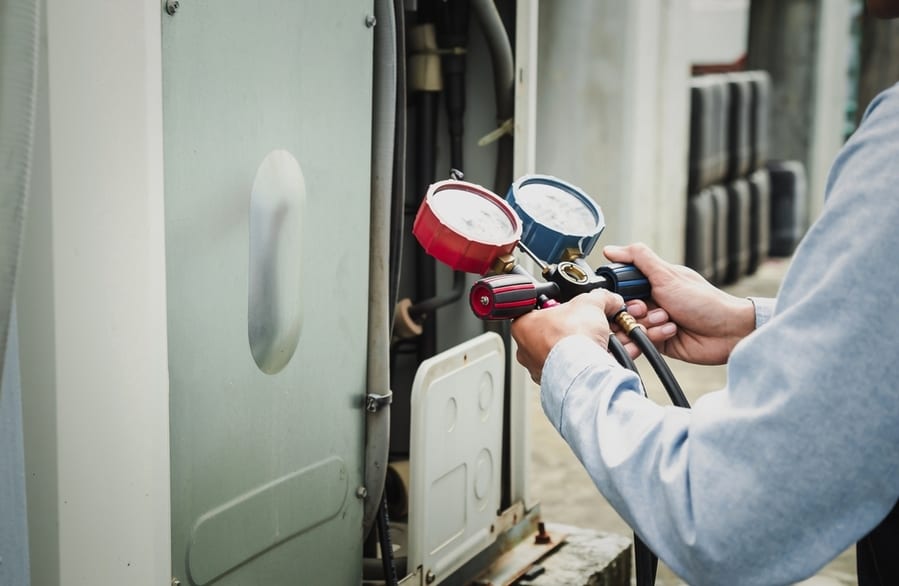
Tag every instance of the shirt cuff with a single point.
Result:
(566, 361)
(764, 308)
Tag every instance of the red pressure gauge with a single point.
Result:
(466, 226)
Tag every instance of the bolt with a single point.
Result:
(370, 21)
(176, 582)
(485, 301)
(172, 6)
(361, 492)
(542, 537)
(430, 577)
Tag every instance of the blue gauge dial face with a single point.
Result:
(472, 215)
(556, 208)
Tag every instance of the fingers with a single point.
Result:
(655, 317)
(661, 333)
(611, 303)
(535, 370)
(656, 322)
(637, 308)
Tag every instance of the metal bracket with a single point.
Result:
(374, 403)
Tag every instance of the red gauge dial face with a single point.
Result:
(466, 226)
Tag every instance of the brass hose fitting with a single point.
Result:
(626, 321)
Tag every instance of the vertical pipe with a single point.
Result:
(377, 428)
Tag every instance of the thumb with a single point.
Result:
(640, 255)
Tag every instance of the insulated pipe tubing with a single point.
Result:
(377, 412)
(19, 27)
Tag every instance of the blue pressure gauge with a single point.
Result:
(559, 221)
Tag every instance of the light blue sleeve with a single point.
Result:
(797, 458)
(764, 309)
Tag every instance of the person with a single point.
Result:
(768, 479)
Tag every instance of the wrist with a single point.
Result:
(743, 318)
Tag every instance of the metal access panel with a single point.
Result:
(267, 128)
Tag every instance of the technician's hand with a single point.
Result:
(538, 331)
(689, 318)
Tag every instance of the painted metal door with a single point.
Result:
(267, 124)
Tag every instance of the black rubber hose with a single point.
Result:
(397, 212)
(428, 306)
(452, 37)
(645, 561)
(373, 570)
(616, 348)
(426, 269)
(390, 577)
(675, 393)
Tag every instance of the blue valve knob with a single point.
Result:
(626, 280)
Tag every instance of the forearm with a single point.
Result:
(726, 490)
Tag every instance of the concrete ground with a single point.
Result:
(566, 493)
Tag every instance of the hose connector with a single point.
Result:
(626, 321)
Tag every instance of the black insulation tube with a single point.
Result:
(383, 521)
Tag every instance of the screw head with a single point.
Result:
(430, 576)
(485, 301)
(172, 6)
(361, 492)
(370, 21)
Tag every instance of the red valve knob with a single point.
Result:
(503, 296)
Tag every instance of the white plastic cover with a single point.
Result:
(455, 455)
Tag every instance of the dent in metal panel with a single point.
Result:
(277, 205)
(238, 531)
